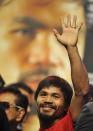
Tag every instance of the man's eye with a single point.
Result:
(21, 31)
(27, 31)
(43, 94)
(56, 96)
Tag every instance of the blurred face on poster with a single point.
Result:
(29, 50)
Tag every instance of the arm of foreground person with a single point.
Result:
(79, 75)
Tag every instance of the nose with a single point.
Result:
(48, 99)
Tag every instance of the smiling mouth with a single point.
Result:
(48, 107)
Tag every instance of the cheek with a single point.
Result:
(60, 104)
(38, 100)
(11, 114)
(59, 109)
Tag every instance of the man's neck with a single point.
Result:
(46, 123)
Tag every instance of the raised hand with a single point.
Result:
(70, 31)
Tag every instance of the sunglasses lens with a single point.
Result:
(4, 105)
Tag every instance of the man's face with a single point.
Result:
(32, 54)
(50, 103)
(29, 48)
(11, 111)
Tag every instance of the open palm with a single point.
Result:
(70, 32)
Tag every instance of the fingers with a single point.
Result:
(79, 26)
(68, 21)
(74, 22)
(56, 33)
(71, 21)
(63, 24)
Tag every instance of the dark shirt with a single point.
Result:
(85, 120)
(4, 124)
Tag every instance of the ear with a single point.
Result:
(20, 115)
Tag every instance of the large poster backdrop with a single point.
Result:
(28, 48)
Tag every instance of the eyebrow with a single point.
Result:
(15, 106)
(54, 93)
(30, 22)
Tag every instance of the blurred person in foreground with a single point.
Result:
(25, 90)
(4, 123)
(85, 120)
(31, 114)
(89, 96)
(15, 106)
(53, 96)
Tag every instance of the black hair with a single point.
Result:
(59, 83)
(21, 85)
(21, 100)
(4, 123)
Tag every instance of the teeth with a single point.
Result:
(47, 107)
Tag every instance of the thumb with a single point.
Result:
(56, 33)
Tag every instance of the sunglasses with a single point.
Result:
(6, 105)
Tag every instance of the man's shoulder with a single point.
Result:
(85, 120)
(88, 107)
(87, 112)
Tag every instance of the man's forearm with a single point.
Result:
(78, 71)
